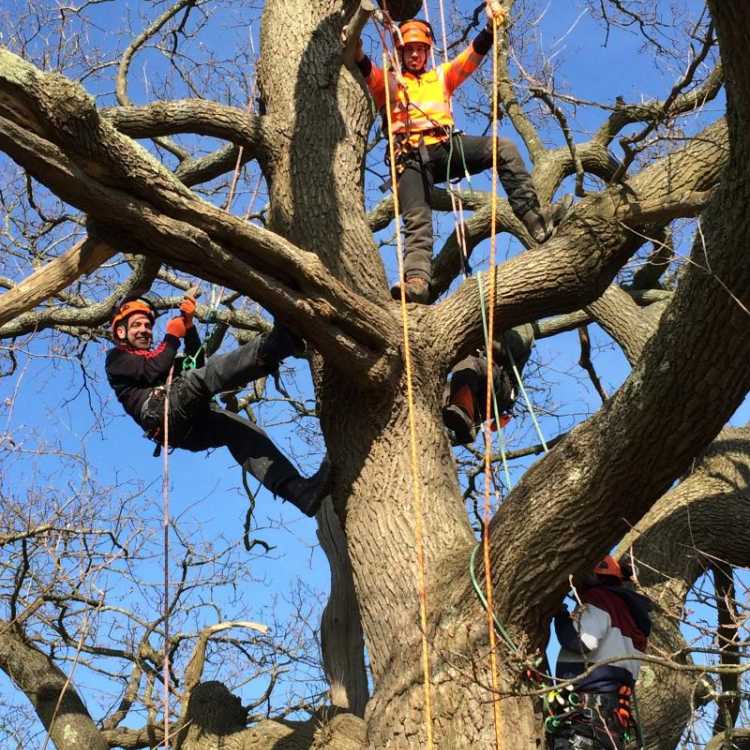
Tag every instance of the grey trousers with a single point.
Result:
(439, 164)
(514, 346)
(197, 424)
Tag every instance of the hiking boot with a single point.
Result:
(417, 290)
(542, 223)
(281, 343)
(307, 494)
(460, 425)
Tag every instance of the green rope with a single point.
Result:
(496, 409)
(527, 400)
(478, 589)
(190, 361)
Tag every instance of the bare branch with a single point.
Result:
(190, 116)
(83, 258)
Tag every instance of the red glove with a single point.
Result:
(187, 308)
(178, 327)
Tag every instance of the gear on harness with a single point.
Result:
(599, 721)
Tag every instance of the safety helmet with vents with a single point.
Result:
(608, 567)
(415, 32)
(131, 306)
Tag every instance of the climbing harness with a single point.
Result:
(591, 720)
(416, 481)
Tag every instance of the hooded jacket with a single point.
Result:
(613, 622)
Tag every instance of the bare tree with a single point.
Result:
(310, 259)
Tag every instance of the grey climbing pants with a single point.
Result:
(197, 424)
(439, 163)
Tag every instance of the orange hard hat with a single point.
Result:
(130, 307)
(415, 31)
(608, 567)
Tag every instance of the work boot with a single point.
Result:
(417, 290)
(281, 343)
(307, 494)
(460, 425)
(542, 223)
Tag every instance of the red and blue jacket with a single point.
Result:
(611, 626)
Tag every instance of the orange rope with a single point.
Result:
(416, 480)
(488, 406)
(165, 512)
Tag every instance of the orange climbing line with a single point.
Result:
(488, 404)
(165, 519)
(416, 480)
(457, 204)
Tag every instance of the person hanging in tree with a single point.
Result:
(429, 150)
(466, 393)
(138, 374)
(600, 648)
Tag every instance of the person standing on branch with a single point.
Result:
(138, 374)
(429, 150)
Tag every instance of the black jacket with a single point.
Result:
(134, 373)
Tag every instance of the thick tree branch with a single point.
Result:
(206, 168)
(190, 116)
(617, 313)
(574, 268)
(121, 88)
(352, 331)
(627, 114)
(703, 519)
(90, 316)
(54, 697)
(664, 414)
(351, 32)
(341, 639)
(509, 102)
(83, 258)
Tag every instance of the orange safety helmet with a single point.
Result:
(129, 307)
(608, 567)
(415, 31)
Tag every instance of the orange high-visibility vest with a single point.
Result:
(421, 103)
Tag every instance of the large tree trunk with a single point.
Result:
(315, 178)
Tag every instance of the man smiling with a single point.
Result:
(138, 374)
